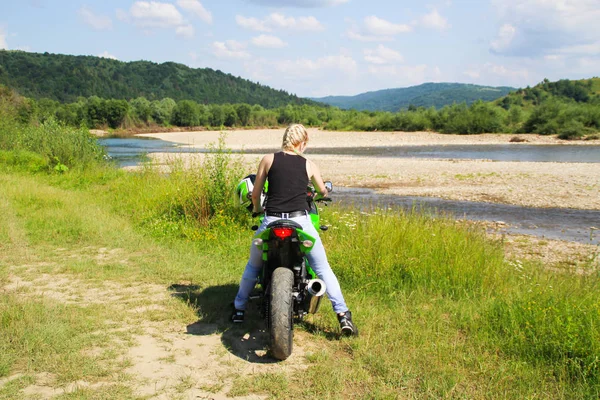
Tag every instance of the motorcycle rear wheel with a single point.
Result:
(281, 313)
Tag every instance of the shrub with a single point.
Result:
(572, 130)
(56, 143)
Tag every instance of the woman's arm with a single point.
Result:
(259, 181)
(315, 176)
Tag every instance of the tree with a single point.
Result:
(217, 116)
(230, 116)
(185, 114)
(243, 112)
(142, 109)
(116, 111)
(162, 110)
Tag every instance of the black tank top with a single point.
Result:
(288, 181)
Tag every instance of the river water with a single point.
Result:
(553, 223)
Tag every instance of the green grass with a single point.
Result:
(441, 312)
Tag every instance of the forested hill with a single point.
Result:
(65, 77)
(425, 95)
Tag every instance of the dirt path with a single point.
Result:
(159, 357)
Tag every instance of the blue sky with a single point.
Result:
(325, 47)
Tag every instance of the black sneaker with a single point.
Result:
(346, 325)
(238, 316)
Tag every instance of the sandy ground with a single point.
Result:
(532, 184)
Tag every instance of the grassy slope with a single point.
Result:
(429, 297)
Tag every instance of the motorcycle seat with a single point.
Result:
(285, 223)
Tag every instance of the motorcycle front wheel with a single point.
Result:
(281, 313)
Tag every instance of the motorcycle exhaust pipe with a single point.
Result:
(315, 289)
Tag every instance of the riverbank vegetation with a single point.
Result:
(569, 109)
(442, 313)
(100, 93)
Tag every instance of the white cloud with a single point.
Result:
(434, 20)
(185, 31)
(354, 35)
(382, 55)
(197, 8)
(543, 27)
(122, 15)
(491, 73)
(230, 49)
(299, 3)
(553, 57)
(403, 75)
(381, 27)
(280, 21)
(268, 41)
(304, 68)
(150, 15)
(300, 24)
(252, 23)
(375, 29)
(98, 22)
(505, 37)
(106, 54)
(155, 15)
(591, 48)
(589, 63)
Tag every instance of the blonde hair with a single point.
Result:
(293, 136)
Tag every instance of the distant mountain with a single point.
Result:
(65, 77)
(425, 95)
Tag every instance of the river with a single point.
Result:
(553, 223)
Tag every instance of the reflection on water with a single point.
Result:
(552, 223)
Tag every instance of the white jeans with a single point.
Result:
(316, 258)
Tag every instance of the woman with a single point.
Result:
(289, 174)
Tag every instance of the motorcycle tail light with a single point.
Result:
(283, 233)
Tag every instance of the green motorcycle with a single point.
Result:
(289, 288)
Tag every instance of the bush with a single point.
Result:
(57, 144)
(572, 130)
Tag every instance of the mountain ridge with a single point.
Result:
(66, 77)
(427, 94)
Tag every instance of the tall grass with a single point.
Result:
(551, 320)
(62, 147)
(188, 199)
(394, 250)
